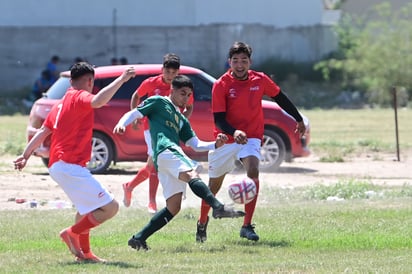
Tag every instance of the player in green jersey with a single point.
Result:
(175, 169)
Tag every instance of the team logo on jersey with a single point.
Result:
(176, 118)
(232, 93)
(255, 88)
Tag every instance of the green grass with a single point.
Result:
(356, 236)
(338, 134)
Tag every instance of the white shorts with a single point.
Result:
(85, 192)
(148, 140)
(222, 160)
(170, 163)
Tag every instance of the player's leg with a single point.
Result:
(173, 189)
(221, 161)
(159, 220)
(250, 159)
(153, 186)
(92, 200)
(142, 174)
(201, 227)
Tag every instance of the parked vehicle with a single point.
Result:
(280, 142)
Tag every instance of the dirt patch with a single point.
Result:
(34, 183)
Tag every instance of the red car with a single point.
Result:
(280, 141)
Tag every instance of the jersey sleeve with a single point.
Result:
(186, 132)
(147, 106)
(218, 97)
(50, 120)
(85, 99)
(271, 89)
(144, 88)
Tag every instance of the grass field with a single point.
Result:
(296, 237)
(300, 232)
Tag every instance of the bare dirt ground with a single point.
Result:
(34, 183)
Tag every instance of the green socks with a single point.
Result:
(201, 190)
(159, 220)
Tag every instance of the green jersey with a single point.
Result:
(167, 125)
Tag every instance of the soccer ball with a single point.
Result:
(242, 191)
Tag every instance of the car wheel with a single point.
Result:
(102, 153)
(273, 151)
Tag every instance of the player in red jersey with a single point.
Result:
(70, 125)
(237, 108)
(156, 85)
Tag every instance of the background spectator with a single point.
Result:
(52, 67)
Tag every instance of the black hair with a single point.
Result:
(171, 60)
(181, 81)
(80, 69)
(123, 61)
(240, 47)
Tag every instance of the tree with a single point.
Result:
(375, 54)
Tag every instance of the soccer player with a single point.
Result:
(156, 85)
(70, 125)
(167, 128)
(237, 109)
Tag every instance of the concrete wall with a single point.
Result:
(278, 13)
(200, 31)
(24, 51)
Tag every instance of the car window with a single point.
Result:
(202, 87)
(59, 88)
(126, 90)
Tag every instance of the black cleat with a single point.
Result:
(227, 212)
(249, 233)
(201, 235)
(137, 244)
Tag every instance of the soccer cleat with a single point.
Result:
(201, 235)
(72, 241)
(137, 244)
(226, 212)
(248, 232)
(90, 258)
(152, 208)
(127, 197)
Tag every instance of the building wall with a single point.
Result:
(199, 31)
(27, 50)
(278, 13)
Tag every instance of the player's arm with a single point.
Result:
(221, 122)
(134, 101)
(126, 120)
(284, 102)
(104, 96)
(41, 135)
(198, 145)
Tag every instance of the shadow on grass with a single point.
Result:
(114, 264)
(267, 243)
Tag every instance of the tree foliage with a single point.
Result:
(374, 55)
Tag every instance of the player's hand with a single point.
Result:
(221, 139)
(20, 162)
(240, 137)
(127, 74)
(118, 129)
(300, 128)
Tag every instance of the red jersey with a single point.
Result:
(71, 122)
(242, 101)
(155, 86)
